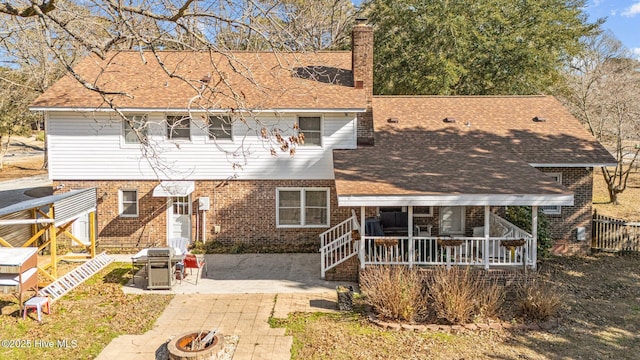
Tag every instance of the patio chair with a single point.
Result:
(180, 244)
(192, 262)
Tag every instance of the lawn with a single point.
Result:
(83, 322)
(600, 319)
(628, 207)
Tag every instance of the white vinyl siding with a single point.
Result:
(128, 203)
(88, 146)
(553, 209)
(307, 207)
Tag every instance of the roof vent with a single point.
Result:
(539, 119)
(393, 120)
(449, 120)
(205, 79)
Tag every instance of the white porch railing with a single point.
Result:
(510, 230)
(337, 245)
(393, 250)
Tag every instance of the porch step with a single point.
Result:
(77, 276)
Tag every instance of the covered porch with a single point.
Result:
(448, 170)
(498, 243)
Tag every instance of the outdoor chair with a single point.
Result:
(37, 303)
(192, 262)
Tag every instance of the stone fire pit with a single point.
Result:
(190, 346)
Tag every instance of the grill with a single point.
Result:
(161, 267)
(161, 252)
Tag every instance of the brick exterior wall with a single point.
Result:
(244, 210)
(346, 271)
(563, 226)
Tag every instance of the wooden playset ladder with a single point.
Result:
(77, 276)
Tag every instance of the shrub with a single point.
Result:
(537, 300)
(520, 216)
(394, 292)
(40, 135)
(489, 299)
(453, 294)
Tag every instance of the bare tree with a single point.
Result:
(61, 31)
(15, 118)
(603, 88)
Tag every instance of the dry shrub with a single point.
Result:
(538, 300)
(489, 299)
(394, 292)
(453, 293)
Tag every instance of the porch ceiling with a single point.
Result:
(415, 167)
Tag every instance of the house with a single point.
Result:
(194, 158)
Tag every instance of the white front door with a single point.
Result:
(179, 218)
(80, 229)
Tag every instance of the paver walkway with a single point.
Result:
(245, 315)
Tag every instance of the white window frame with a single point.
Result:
(145, 129)
(462, 221)
(302, 207)
(304, 132)
(210, 137)
(168, 127)
(553, 209)
(121, 203)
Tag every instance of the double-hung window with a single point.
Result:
(178, 127)
(553, 209)
(135, 129)
(128, 203)
(220, 127)
(311, 127)
(302, 207)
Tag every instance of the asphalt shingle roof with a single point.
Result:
(247, 80)
(487, 150)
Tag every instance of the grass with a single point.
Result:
(628, 207)
(599, 319)
(83, 322)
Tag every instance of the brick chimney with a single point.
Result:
(362, 65)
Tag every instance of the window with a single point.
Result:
(311, 127)
(422, 211)
(302, 207)
(181, 205)
(178, 127)
(220, 127)
(452, 220)
(129, 203)
(553, 209)
(135, 128)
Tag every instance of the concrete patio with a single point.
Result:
(238, 296)
(247, 274)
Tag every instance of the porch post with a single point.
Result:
(534, 235)
(362, 236)
(412, 252)
(487, 212)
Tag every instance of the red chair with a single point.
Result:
(192, 262)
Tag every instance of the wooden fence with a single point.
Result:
(611, 234)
